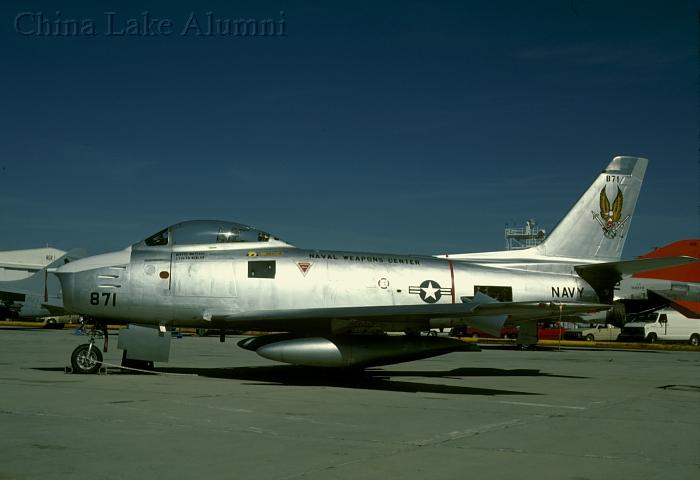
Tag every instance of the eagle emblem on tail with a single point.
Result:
(610, 215)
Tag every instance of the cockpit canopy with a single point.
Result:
(207, 232)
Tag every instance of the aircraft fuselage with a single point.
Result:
(188, 286)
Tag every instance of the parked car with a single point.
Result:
(667, 324)
(545, 331)
(598, 333)
(550, 331)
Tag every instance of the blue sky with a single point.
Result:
(415, 127)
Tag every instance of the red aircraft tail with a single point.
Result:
(684, 294)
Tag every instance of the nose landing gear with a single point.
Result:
(87, 358)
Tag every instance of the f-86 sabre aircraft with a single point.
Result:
(334, 308)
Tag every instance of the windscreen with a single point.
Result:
(212, 232)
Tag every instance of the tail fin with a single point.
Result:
(597, 225)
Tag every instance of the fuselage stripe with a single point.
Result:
(452, 278)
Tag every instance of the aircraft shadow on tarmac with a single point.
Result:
(370, 379)
(291, 375)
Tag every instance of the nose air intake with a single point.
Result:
(81, 277)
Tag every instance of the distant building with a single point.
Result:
(528, 236)
(19, 264)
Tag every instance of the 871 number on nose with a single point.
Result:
(108, 298)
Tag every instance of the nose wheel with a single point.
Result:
(86, 358)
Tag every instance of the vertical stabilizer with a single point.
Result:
(596, 227)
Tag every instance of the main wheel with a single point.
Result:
(86, 358)
(652, 338)
(590, 337)
(695, 339)
(475, 336)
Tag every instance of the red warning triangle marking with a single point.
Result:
(304, 267)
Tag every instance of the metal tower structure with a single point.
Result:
(528, 236)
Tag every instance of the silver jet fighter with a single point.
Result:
(334, 308)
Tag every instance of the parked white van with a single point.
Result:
(666, 324)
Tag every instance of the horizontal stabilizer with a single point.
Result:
(688, 303)
(603, 276)
(629, 267)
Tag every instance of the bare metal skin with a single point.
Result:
(224, 275)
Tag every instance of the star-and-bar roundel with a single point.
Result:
(430, 291)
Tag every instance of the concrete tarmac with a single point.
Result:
(223, 412)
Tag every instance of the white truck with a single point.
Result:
(667, 324)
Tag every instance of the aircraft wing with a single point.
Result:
(314, 318)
